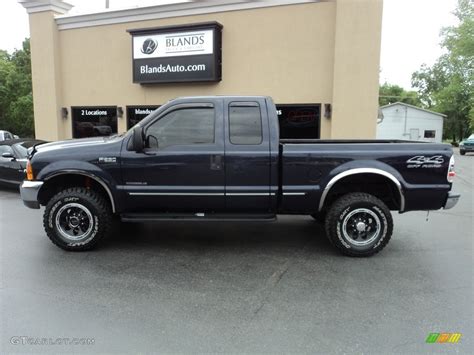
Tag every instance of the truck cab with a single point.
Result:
(227, 162)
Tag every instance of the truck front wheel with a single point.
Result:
(359, 224)
(76, 218)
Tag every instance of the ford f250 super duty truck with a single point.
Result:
(220, 158)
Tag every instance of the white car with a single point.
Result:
(5, 135)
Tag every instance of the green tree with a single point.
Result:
(448, 85)
(389, 93)
(16, 100)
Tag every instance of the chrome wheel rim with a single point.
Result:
(74, 221)
(361, 226)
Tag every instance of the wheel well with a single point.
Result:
(377, 185)
(60, 182)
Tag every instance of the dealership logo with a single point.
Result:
(177, 54)
(149, 46)
(182, 43)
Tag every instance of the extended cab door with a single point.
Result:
(181, 169)
(247, 155)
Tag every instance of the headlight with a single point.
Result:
(461, 144)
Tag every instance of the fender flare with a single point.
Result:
(355, 171)
(92, 176)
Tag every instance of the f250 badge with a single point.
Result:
(420, 161)
(107, 160)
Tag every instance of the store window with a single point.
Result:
(137, 113)
(299, 121)
(430, 134)
(94, 121)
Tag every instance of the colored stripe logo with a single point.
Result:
(443, 338)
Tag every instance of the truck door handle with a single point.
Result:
(216, 162)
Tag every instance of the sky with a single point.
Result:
(410, 31)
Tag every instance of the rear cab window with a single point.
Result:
(245, 123)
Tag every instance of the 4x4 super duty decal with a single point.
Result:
(421, 161)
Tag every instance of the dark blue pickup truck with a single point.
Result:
(220, 158)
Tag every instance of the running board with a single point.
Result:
(158, 217)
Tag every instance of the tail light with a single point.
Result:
(29, 171)
(451, 172)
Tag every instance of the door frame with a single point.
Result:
(179, 191)
(243, 197)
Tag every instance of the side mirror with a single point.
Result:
(137, 139)
(8, 155)
(151, 142)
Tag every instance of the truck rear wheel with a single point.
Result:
(359, 224)
(76, 218)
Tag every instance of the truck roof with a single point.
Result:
(224, 96)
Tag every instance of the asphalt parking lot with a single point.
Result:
(240, 287)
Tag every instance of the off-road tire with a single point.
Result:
(97, 208)
(367, 208)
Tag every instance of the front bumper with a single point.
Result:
(29, 193)
(452, 200)
(467, 148)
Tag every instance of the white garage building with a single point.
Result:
(404, 121)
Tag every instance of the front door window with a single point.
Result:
(182, 127)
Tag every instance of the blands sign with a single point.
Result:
(171, 54)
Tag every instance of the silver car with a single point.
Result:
(5, 136)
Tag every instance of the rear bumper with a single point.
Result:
(29, 193)
(452, 200)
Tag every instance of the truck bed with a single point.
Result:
(308, 165)
(348, 141)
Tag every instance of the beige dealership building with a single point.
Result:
(99, 73)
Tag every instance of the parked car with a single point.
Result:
(220, 158)
(13, 160)
(467, 145)
(5, 135)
